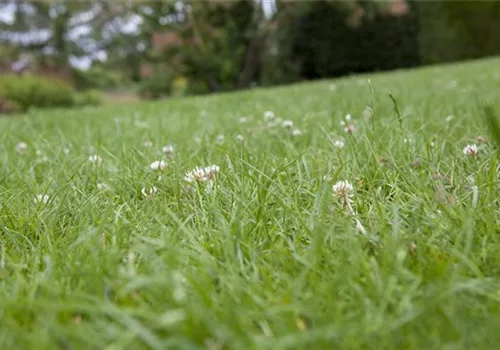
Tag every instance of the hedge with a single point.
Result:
(20, 93)
(27, 91)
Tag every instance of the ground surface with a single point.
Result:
(120, 97)
(269, 258)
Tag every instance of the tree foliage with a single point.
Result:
(217, 44)
(477, 26)
(59, 30)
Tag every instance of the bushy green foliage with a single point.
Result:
(158, 85)
(278, 66)
(477, 25)
(324, 43)
(89, 98)
(217, 46)
(97, 78)
(33, 91)
(20, 93)
(179, 86)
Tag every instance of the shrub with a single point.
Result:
(329, 38)
(179, 86)
(89, 98)
(158, 86)
(31, 91)
(97, 78)
(197, 87)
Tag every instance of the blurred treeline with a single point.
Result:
(192, 47)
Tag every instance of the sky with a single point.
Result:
(7, 13)
(269, 7)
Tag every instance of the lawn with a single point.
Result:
(105, 247)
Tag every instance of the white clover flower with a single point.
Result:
(179, 294)
(172, 317)
(449, 118)
(95, 159)
(197, 174)
(343, 189)
(41, 199)
(66, 150)
(148, 143)
(274, 122)
(197, 139)
(470, 150)
(339, 144)
(348, 124)
(243, 120)
(158, 165)
(101, 186)
(168, 150)
(202, 174)
(220, 139)
(240, 138)
(149, 192)
(350, 128)
(21, 147)
(211, 170)
(268, 115)
(296, 132)
(287, 124)
(42, 157)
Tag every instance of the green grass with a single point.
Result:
(268, 259)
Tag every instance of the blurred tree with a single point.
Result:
(457, 30)
(477, 25)
(330, 38)
(218, 47)
(436, 37)
(59, 30)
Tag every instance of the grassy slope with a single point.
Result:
(268, 260)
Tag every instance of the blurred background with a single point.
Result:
(75, 53)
